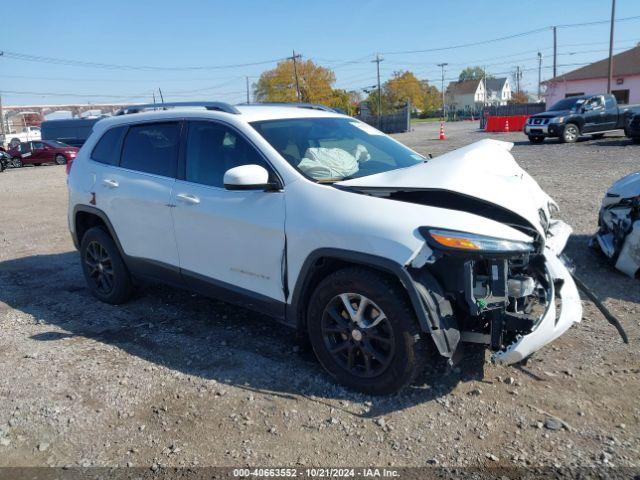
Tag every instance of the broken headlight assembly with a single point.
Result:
(469, 242)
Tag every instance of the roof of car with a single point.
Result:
(247, 113)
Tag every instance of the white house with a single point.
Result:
(471, 94)
(498, 91)
(592, 79)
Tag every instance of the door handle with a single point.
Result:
(110, 183)
(188, 198)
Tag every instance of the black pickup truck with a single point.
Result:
(632, 129)
(572, 117)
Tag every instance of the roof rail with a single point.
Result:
(218, 106)
(312, 106)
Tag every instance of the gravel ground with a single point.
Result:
(174, 379)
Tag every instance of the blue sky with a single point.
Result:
(343, 35)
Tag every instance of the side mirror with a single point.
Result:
(248, 177)
(586, 107)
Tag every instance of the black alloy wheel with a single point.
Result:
(100, 267)
(358, 335)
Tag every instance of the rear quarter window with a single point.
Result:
(107, 150)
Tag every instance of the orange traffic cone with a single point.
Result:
(442, 137)
(506, 126)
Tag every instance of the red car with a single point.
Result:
(42, 151)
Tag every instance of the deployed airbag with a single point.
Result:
(323, 163)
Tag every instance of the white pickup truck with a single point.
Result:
(26, 135)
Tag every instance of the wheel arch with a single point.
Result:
(86, 217)
(325, 261)
(577, 121)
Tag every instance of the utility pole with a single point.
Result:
(539, 74)
(154, 97)
(484, 81)
(1, 117)
(518, 77)
(295, 57)
(555, 51)
(442, 65)
(161, 97)
(248, 98)
(613, 17)
(377, 61)
(1, 112)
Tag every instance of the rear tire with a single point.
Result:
(104, 270)
(570, 134)
(536, 139)
(362, 354)
(60, 160)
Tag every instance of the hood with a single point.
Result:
(626, 187)
(484, 172)
(552, 114)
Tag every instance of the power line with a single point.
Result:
(508, 37)
(80, 63)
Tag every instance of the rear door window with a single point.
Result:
(107, 150)
(152, 148)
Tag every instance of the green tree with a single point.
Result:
(472, 73)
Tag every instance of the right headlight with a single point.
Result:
(557, 120)
(454, 240)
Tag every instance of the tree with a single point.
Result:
(403, 87)
(472, 73)
(519, 97)
(279, 84)
(432, 98)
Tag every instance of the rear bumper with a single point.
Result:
(555, 321)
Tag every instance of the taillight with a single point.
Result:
(69, 164)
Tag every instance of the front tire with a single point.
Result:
(364, 331)
(570, 134)
(536, 139)
(60, 160)
(104, 270)
(17, 162)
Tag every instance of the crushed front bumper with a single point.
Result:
(554, 321)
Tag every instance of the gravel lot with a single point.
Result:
(174, 379)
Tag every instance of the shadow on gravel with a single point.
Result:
(598, 273)
(614, 142)
(200, 337)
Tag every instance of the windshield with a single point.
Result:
(567, 103)
(332, 149)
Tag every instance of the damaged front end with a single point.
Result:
(618, 235)
(512, 296)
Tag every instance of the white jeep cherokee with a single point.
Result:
(376, 253)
